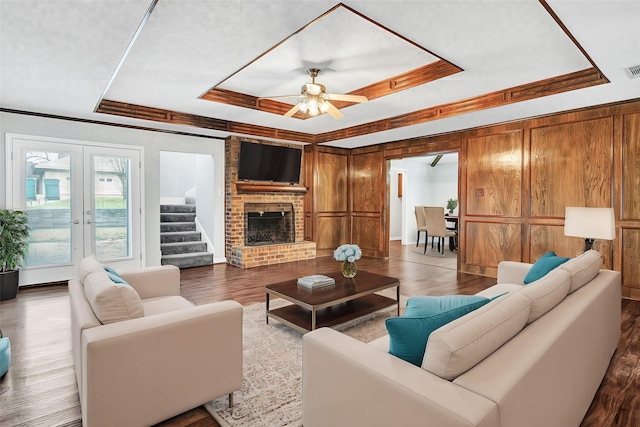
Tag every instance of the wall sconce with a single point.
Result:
(590, 224)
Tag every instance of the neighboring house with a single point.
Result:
(106, 178)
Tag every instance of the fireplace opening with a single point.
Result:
(268, 223)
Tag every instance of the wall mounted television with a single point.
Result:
(263, 162)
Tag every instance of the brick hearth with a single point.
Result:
(236, 252)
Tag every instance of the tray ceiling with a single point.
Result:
(427, 67)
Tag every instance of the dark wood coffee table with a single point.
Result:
(331, 305)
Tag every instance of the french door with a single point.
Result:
(81, 199)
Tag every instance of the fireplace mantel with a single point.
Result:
(261, 187)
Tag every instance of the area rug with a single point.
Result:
(271, 393)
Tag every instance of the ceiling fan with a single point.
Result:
(315, 99)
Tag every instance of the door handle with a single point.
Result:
(88, 221)
(75, 221)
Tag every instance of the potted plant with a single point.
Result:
(452, 204)
(14, 231)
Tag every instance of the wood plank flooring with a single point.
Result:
(40, 387)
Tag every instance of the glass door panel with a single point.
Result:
(43, 181)
(48, 177)
(111, 207)
(80, 199)
(113, 210)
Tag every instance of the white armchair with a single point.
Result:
(166, 359)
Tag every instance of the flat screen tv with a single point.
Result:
(262, 162)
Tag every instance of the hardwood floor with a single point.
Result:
(40, 387)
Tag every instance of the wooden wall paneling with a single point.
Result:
(494, 175)
(367, 181)
(369, 230)
(599, 149)
(326, 220)
(550, 237)
(462, 205)
(421, 146)
(310, 183)
(368, 205)
(332, 231)
(488, 243)
(631, 167)
(332, 185)
(571, 165)
(631, 262)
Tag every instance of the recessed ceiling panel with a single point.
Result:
(350, 50)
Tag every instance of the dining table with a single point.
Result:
(453, 243)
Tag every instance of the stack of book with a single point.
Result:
(316, 281)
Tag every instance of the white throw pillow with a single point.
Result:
(112, 302)
(460, 345)
(583, 268)
(546, 293)
(87, 266)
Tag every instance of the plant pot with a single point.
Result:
(9, 284)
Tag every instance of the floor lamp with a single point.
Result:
(590, 224)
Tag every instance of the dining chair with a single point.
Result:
(436, 226)
(421, 222)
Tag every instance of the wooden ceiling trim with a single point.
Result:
(419, 76)
(167, 116)
(415, 117)
(416, 77)
(473, 104)
(132, 110)
(571, 81)
(559, 84)
(552, 86)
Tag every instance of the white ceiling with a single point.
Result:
(62, 57)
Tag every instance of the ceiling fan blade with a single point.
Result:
(333, 111)
(292, 111)
(345, 97)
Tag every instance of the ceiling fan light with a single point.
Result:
(324, 106)
(313, 104)
(313, 110)
(303, 106)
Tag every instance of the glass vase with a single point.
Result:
(349, 269)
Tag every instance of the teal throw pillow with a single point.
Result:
(111, 270)
(5, 355)
(114, 276)
(409, 333)
(542, 266)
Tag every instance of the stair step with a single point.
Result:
(180, 236)
(182, 248)
(178, 208)
(166, 227)
(177, 217)
(188, 260)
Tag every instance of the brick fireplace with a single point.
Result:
(282, 213)
(268, 223)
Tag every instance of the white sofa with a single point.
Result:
(544, 372)
(142, 353)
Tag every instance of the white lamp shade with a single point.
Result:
(590, 223)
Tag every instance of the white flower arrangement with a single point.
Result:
(349, 253)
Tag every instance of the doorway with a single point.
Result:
(429, 180)
(187, 179)
(81, 198)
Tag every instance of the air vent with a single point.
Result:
(634, 71)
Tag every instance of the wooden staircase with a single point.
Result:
(180, 242)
